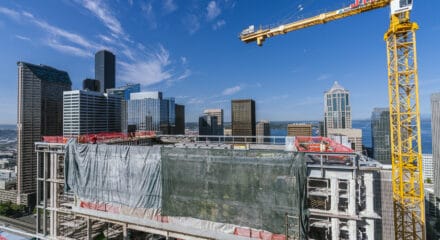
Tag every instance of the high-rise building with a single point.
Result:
(91, 85)
(432, 210)
(321, 126)
(40, 113)
(219, 114)
(428, 167)
(262, 131)
(88, 112)
(296, 129)
(380, 128)
(243, 117)
(384, 202)
(124, 93)
(179, 129)
(148, 111)
(146, 95)
(350, 137)
(105, 69)
(435, 123)
(208, 125)
(337, 111)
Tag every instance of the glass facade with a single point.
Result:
(105, 69)
(124, 92)
(380, 128)
(243, 117)
(151, 114)
(39, 113)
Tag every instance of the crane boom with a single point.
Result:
(403, 92)
(249, 35)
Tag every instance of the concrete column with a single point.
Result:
(335, 228)
(124, 232)
(369, 192)
(370, 228)
(45, 175)
(334, 194)
(352, 229)
(89, 229)
(352, 197)
(37, 196)
(53, 196)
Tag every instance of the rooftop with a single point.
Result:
(47, 73)
(337, 87)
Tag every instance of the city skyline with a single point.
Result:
(181, 67)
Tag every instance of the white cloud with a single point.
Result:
(10, 13)
(136, 63)
(72, 37)
(103, 13)
(184, 75)
(140, 46)
(221, 101)
(192, 23)
(195, 101)
(67, 48)
(212, 10)
(106, 38)
(148, 10)
(79, 46)
(183, 60)
(218, 24)
(324, 76)
(169, 6)
(22, 38)
(154, 69)
(231, 90)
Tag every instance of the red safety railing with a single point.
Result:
(320, 144)
(100, 137)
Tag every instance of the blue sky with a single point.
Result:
(190, 50)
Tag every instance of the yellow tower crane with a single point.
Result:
(403, 92)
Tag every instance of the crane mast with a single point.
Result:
(403, 93)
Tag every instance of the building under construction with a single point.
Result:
(285, 188)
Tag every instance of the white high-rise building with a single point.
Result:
(428, 167)
(337, 108)
(87, 112)
(435, 123)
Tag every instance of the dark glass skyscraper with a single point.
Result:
(105, 69)
(180, 120)
(39, 113)
(208, 125)
(380, 129)
(243, 117)
(91, 85)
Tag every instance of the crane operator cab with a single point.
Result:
(399, 6)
